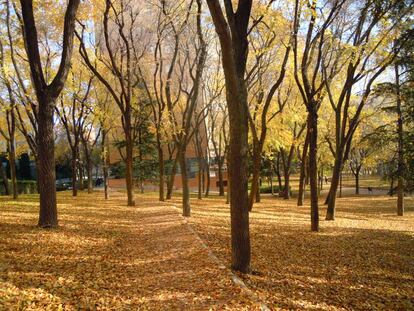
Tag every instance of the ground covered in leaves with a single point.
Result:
(362, 261)
(106, 256)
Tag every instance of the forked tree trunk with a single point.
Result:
(46, 95)
(46, 161)
(234, 50)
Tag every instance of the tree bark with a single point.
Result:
(200, 179)
(208, 180)
(4, 179)
(105, 163)
(46, 171)
(12, 156)
(313, 167)
(161, 167)
(220, 176)
(129, 157)
(170, 181)
(234, 50)
(302, 177)
(400, 164)
(258, 197)
(184, 181)
(89, 169)
(46, 95)
(331, 198)
(255, 190)
(357, 181)
(74, 170)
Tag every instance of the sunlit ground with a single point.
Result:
(108, 256)
(362, 261)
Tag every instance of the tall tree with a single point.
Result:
(233, 39)
(46, 94)
(366, 61)
(308, 57)
(116, 55)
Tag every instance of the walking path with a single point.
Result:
(109, 256)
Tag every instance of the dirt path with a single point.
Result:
(108, 256)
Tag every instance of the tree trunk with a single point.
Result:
(279, 176)
(4, 178)
(208, 180)
(357, 181)
(302, 177)
(286, 189)
(74, 170)
(129, 158)
(105, 162)
(13, 175)
(184, 180)
(228, 191)
(200, 180)
(89, 172)
(392, 186)
(400, 168)
(255, 190)
(258, 197)
(46, 161)
(331, 198)
(170, 182)
(313, 167)
(80, 170)
(234, 51)
(271, 183)
(220, 177)
(161, 180)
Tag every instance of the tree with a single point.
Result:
(264, 81)
(73, 113)
(232, 35)
(114, 60)
(9, 112)
(309, 80)
(365, 57)
(46, 94)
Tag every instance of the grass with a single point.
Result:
(106, 256)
